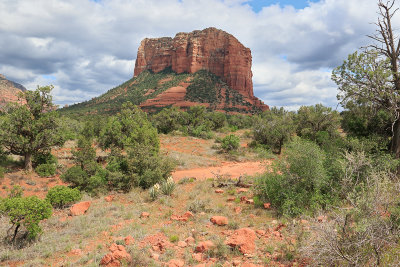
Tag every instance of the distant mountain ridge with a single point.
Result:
(9, 90)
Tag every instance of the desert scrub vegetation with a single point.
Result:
(299, 181)
(365, 230)
(230, 143)
(25, 214)
(61, 196)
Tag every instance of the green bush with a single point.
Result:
(26, 212)
(2, 171)
(61, 196)
(46, 170)
(273, 128)
(230, 143)
(299, 181)
(44, 158)
(76, 177)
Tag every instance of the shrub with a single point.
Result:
(44, 158)
(2, 171)
(273, 128)
(316, 122)
(299, 181)
(26, 212)
(61, 196)
(168, 186)
(147, 169)
(230, 143)
(76, 176)
(363, 233)
(46, 170)
(154, 192)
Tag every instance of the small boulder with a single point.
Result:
(219, 220)
(129, 240)
(76, 252)
(182, 244)
(175, 263)
(109, 198)
(219, 191)
(190, 240)
(242, 190)
(237, 210)
(80, 208)
(230, 199)
(249, 201)
(244, 239)
(145, 215)
(117, 255)
(267, 205)
(197, 256)
(204, 246)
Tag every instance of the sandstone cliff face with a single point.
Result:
(210, 49)
(9, 91)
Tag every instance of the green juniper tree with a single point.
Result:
(371, 78)
(30, 128)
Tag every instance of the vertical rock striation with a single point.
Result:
(210, 49)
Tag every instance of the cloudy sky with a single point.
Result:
(86, 47)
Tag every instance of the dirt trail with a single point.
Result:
(227, 169)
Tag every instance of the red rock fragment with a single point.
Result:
(80, 208)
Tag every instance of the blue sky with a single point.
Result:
(86, 47)
(257, 5)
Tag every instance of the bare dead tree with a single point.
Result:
(388, 45)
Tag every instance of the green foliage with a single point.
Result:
(169, 119)
(240, 121)
(26, 212)
(148, 169)
(273, 128)
(173, 238)
(2, 172)
(85, 155)
(46, 170)
(230, 143)
(129, 128)
(168, 186)
(299, 181)
(44, 158)
(317, 123)
(70, 128)
(61, 196)
(154, 192)
(76, 176)
(15, 191)
(358, 120)
(31, 128)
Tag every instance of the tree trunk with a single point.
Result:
(28, 162)
(395, 146)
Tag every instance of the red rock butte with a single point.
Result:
(211, 49)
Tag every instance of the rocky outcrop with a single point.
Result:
(9, 91)
(210, 49)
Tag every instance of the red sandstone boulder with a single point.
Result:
(219, 220)
(175, 263)
(80, 208)
(116, 256)
(244, 239)
(129, 240)
(204, 246)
